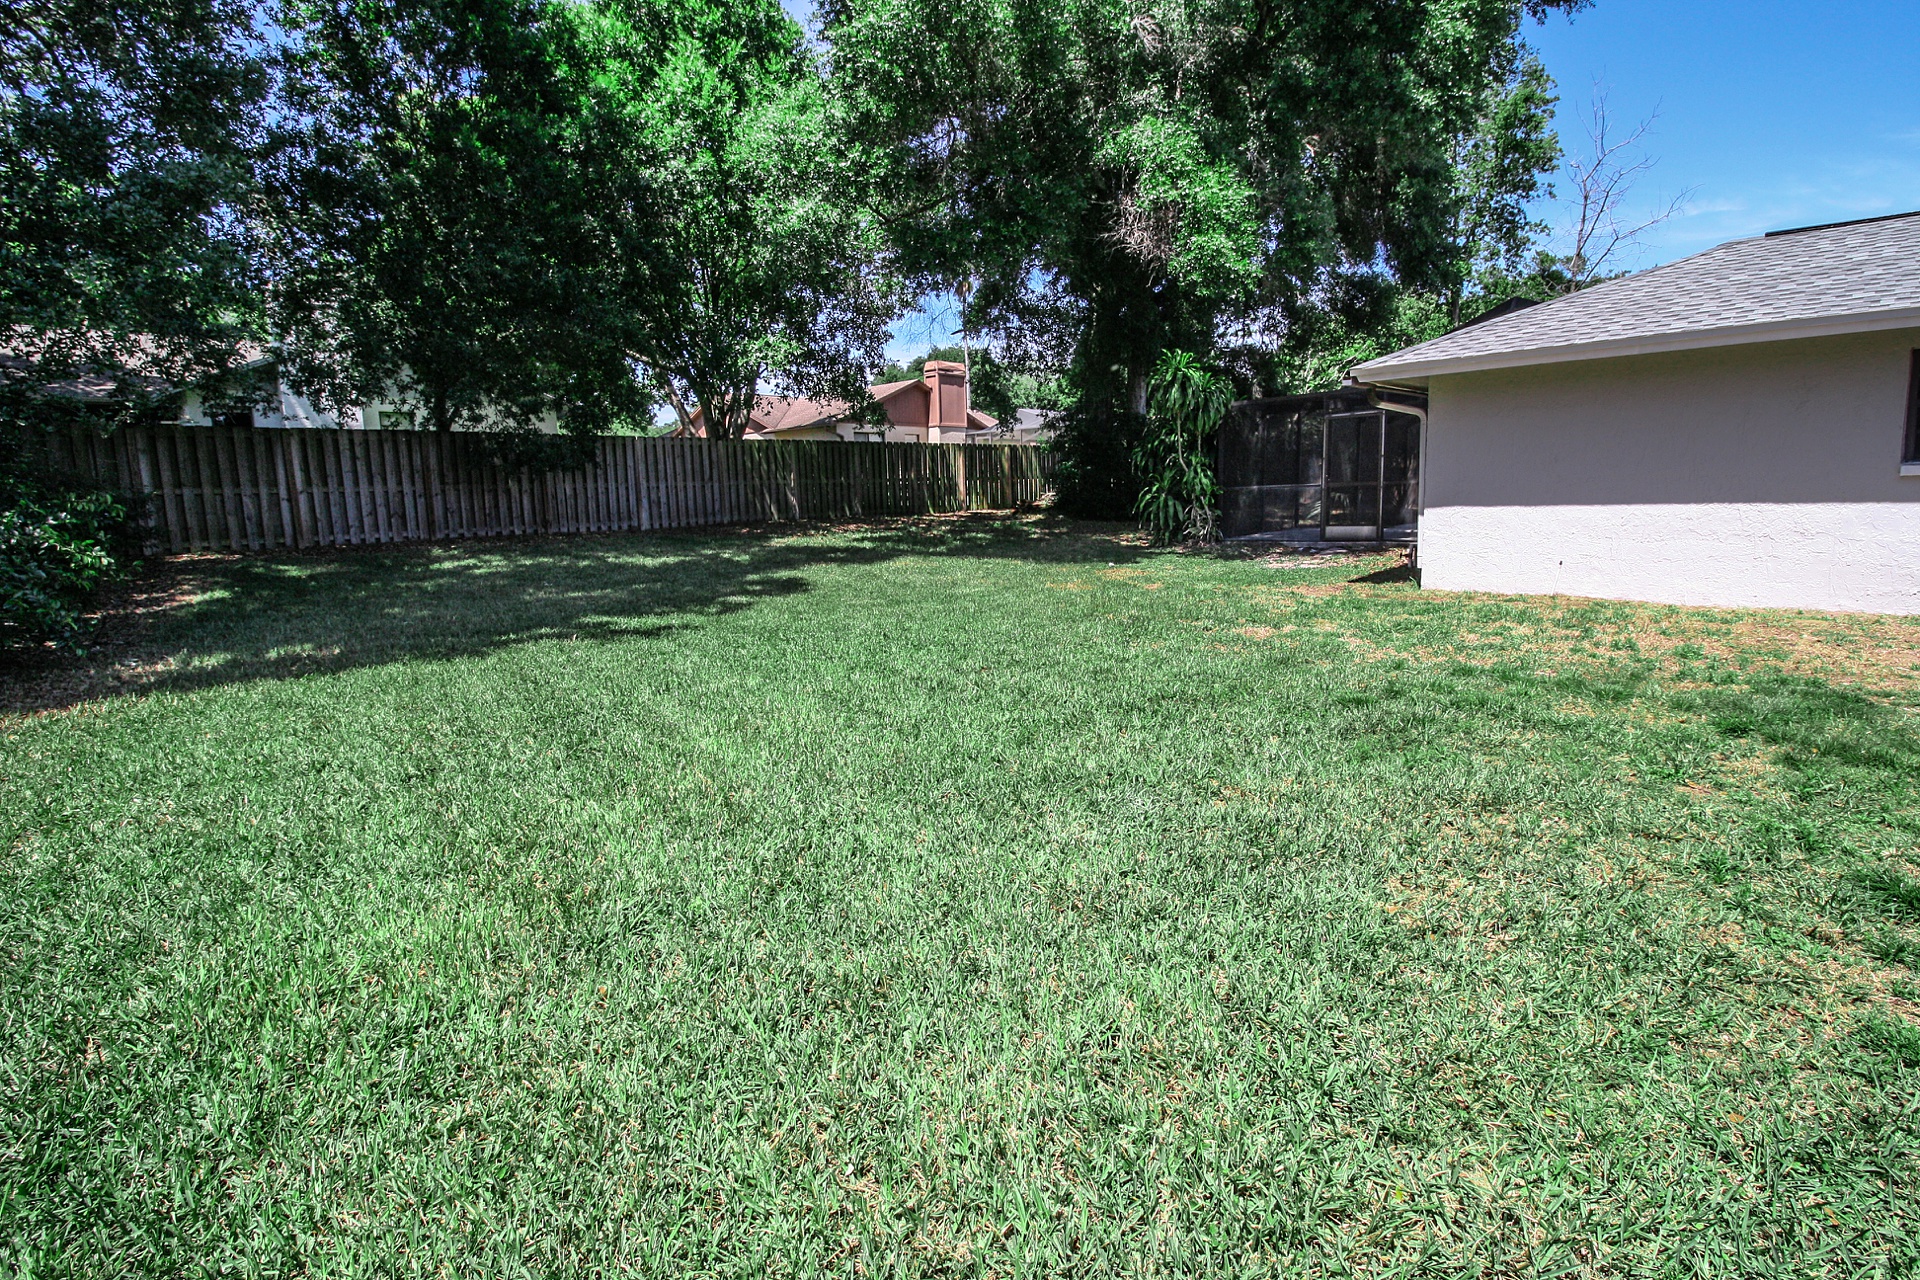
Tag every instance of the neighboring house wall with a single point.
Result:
(284, 409)
(1759, 475)
(906, 416)
(287, 408)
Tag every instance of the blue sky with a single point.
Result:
(1772, 113)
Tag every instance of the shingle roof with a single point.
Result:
(794, 413)
(1850, 278)
(790, 413)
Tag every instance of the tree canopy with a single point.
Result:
(508, 208)
(1127, 177)
(501, 210)
(761, 272)
(432, 240)
(126, 136)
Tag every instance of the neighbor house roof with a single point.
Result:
(773, 414)
(788, 413)
(134, 362)
(1848, 278)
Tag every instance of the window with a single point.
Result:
(1910, 455)
(396, 420)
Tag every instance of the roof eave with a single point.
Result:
(1387, 369)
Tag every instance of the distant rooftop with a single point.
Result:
(1849, 277)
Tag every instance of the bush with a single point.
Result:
(1094, 476)
(58, 544)
(1179, 498)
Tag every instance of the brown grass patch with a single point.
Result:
(1878, 654)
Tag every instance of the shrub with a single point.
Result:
(1179, 497)
(1093, 475)
(58, 544)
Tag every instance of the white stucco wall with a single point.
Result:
(1758, 475)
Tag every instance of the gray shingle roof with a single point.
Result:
(1843, 279)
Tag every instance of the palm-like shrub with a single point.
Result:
(1179, 496)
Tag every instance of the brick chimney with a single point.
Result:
(947, 402)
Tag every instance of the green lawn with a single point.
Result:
(966, 896)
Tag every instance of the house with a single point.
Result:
(251, 392)
(1029, 426)
(1741, 427)
(934, 408)
(269, 401)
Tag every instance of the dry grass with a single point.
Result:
(1880, 654)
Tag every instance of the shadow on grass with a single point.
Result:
(1396, 573)
(1815, 723)
(202, 621)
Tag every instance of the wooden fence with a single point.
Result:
(256, 489)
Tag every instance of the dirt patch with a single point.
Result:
(120, 660)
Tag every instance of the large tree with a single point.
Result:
(126, 136)
(499, 208)
(1125, 176)
(759, 272)
(437, 236)
(1352, 315)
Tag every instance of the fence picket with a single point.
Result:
(628, 506)
(168, 506)
(675, 477)
(688, 486)
(193, 488)
(643, 477)
(353, 488)
(371, 449)
(206, 466)
(192, 443)
(406, 481)
(141, 479)
(374, 447)
(240, 484)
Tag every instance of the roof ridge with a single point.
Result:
(1832, 226)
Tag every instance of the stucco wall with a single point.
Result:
(1760, 475)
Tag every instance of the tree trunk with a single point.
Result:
(1137, 390)
(722, 415)
(680, 410)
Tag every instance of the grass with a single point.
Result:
(957, 897)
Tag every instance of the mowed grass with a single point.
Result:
(960, 897)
